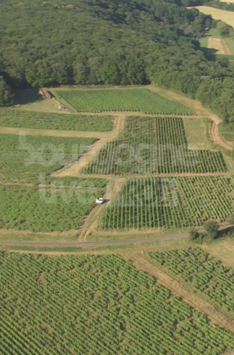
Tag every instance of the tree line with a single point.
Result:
(112, 43)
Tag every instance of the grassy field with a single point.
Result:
(39, 120)
(218, 14)
(170, 202)
(216, 45)
(229, 1)
(154, 145)
(23, 158)
(196, 131)
(96, 305)
(230, 44)
(206, 274)
(130, 99)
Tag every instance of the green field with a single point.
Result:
(55, 208)
(137, 99)
(227, 131)
(22, 158)
(154, 145)
(96, 305)
(39, 120)
(170, 202)
(205, 274)
(230, 44)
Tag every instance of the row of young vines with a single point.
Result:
(170, 202)
(154, 145)
(96, 305)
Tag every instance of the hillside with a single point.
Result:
(101, 42)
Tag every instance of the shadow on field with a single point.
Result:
(226, 232)
(27, 96)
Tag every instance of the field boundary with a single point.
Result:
(100, 243)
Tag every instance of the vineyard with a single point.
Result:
(38, 120)
(136, 99)
(154, 145)
(170, 202)
(23, 158)
(96, 305)
(203, 272)
(55, 208)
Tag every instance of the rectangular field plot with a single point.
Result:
(203, 272)
(96, 305)
(45, 210)
(41, 120)
(137, 99)
(170, 203)
(23, 158)
(154, 145)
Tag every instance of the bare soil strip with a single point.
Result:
(144, 263)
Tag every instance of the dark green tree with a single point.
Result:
(6, 95)
(211, 229)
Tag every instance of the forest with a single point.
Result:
(111, 43)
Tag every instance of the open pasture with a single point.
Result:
(96, 305)
(42, 120)
(206, 274)
(23, 158)
(129, 99)
(154, 145)
(170, 203)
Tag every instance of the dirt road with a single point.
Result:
(93, 244)
(76, 168)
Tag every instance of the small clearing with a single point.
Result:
(219, 45)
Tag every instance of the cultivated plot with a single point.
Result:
(96, 305)
(52, 208)
(154, 145)
(41, 120)
(205, 273)
(136, 99)
(219, 45)
(170, 203)
(23, 158)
